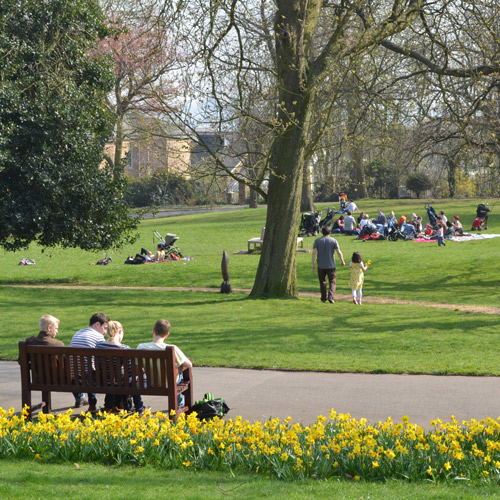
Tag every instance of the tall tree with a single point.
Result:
(53, 128)
(146, 50)
(309, 41)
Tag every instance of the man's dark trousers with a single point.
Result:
(332, 282)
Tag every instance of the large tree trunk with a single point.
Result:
(276, 274)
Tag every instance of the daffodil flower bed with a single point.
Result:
(338, 446)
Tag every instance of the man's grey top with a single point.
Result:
(325, 246)
(349, 222)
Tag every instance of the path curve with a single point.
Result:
(341, 297)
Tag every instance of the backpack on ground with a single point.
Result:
(209, 407)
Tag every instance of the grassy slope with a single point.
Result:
(272, 333)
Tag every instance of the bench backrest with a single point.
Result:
(69, 369)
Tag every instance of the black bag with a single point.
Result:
(209, 407)
(104, 262)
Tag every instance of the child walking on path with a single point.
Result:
(357, 277)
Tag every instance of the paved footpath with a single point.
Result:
(260, 394)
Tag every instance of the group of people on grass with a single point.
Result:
(323, 255)
(412, 228)
(103, 333)
(325, 247)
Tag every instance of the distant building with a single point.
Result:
(147, 156)
(211, 153)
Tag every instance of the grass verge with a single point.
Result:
(27, 480)
(221, 330)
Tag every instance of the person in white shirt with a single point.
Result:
(161, 331)
(352, 207)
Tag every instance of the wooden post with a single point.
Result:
(225, 286)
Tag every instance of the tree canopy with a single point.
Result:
(55, 188)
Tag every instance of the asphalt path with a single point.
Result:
(171, 212)
(262, 394)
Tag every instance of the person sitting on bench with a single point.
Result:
(49, 326)
(113, 402)
(161, 331)
(88, 338)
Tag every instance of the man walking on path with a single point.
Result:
(324, 247)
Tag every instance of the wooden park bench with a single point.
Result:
(74, 369)
(257, 242)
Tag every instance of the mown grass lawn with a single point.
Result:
(221, 330)
(234, 330)
(462, 273)
(23, 480)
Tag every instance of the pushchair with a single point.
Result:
(431, 213)
(481, 220)
(169, 243)
(328, 219)
(309, 224)
(394, 233)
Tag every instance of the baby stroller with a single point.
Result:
(330, 213)
(168, 243)
(309, 224)
(431, 213)
(394, 233)
(481, 220)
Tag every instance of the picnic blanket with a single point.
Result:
(465, 237)
(473, 237)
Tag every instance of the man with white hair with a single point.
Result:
(49, 327)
